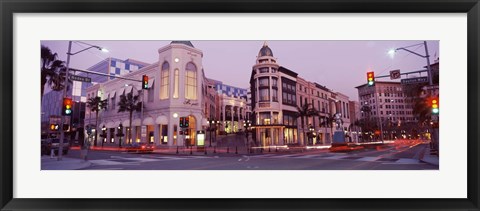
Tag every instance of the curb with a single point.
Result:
(422, 156)
(84, 167)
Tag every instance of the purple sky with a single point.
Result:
(339, 65)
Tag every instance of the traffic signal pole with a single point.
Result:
(62, 131)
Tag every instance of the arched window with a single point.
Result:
(164, 80)
(191, 81)
(175, 83)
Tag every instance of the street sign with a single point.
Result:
(80, 78)
(415, 80)
(395, 74)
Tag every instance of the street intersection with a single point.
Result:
(405, 157)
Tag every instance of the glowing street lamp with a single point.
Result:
(392, 52)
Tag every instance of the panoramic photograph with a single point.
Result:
(240, 105)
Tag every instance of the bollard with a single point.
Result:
(214, 150)
(228, 149)
(236, 150)
(177, 150)
(269, 149)
(261, 150)
(191, 150)
(276, 149)
(52, 153)
(205, 150)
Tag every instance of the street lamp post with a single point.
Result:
(104, 134)
(427, 57)
(120, 134)
(311, 129)
(247, 126)
(210, 128)
(69, 53)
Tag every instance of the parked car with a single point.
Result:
(54, 143)
(140, 147)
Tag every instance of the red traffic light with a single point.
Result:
(144, 82)
(182, 121)
(67, 106)
(370, 78)
(435, 107)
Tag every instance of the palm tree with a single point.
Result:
(50, 70)
(96, 104)
(313, 113)
(304, 112)
(328, 122)
(129, 103)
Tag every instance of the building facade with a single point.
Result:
(178, 88)
(277, 93)
(386, 104)
(51, 107)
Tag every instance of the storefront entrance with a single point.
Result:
(191, 132)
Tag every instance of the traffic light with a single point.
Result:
(104, 132)
(53, 127)
(435, 107)
(370, 78)
(186, 121)
(67, 107)
(144, 82)
(182, 122)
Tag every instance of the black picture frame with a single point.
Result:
(10, 7)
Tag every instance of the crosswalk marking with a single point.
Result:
(368, 159)
(119, 160)
(342, 156)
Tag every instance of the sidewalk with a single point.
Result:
(66, 163)
(428, 158)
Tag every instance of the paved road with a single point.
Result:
(404, 157)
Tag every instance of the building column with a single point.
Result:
(108, 136)
(272, 141)
(280, 137)
(124, 138)
(156, 134)
(134, 134)
(170, 134)
(223, 116)
(231, 118)
(239, 125)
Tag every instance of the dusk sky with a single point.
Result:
(338, 65)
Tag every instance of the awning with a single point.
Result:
(128, 89)
(205, 122)
(136, 122)
(104, 96)
(110, 125)
(150, 82)
(120, 92)
(117, 123)
(148, 121)
(126, 123)
(161, 120)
